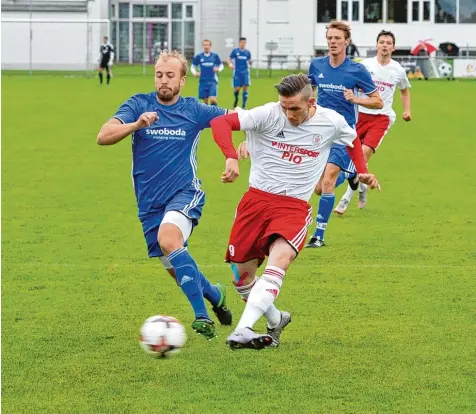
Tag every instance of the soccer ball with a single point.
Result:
(162, 336)
(445, 69)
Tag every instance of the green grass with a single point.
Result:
(383, 318)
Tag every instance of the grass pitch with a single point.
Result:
(383, 317)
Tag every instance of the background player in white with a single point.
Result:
(289, 142)
(373, 124)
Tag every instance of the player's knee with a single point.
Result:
(169, 238)
(240, 276)
(328, 184)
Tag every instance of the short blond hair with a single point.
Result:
(340, 25)
(175, 54)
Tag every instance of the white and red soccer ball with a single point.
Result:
(162, 336)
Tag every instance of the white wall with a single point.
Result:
(283, 21)
(54, 46)
(365, 34)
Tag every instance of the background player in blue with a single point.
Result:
(165, 132)
(240, 61)
(206, 65)
(336, 78)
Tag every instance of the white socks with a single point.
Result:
(272, 315)
(262, 294)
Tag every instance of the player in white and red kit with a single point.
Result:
(373, 124)
(289, 142)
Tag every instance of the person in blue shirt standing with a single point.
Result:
(240, 61)
(165, 130)
(337, 79)
(206, 65)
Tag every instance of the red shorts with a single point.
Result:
(260, 219)
(372, 128)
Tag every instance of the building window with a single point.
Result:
(137, 10)
(189, 41)
(176, 10)
(415, 11)
(326, 10)
(397, 11)
(123, 10)
(177, 36)
(344, 10)
(467, 11)
(426, 11)
(112, 11)
(124, 41)
(137, 42)
(445, 11)
(114, 34)
(373, 11)
(355, 11)
(157, 11)
(189, 11)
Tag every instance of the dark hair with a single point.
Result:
(242, 38)
(293, 85)
(207, 40)
(386, 33)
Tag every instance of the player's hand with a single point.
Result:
(196, 74)
(216, 69)
(231, 65)
(242, 151)
(349, 95)
(231, 172)
(370, 180)
(407, 116)
(109, 63)
(146, 119)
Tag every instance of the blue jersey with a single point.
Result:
(331, 83)
(206, 63)
(241, 58)
(164, 155)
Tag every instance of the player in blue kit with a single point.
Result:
(206, 65)
(337, 79)
(240, 61)
(165, 130)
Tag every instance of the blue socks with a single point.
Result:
(189, 279)
(245, 98)
(326, 205)
(210, 292)
(236, 93)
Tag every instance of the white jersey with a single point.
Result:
(386, 79)
(289, 160)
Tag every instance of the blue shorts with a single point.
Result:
(340, 157)
(207, 89)
(241, 79)
(188, 202)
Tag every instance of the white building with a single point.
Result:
(59, 38)
(299, 26)
(140, 28)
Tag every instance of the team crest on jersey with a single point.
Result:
(316, 139)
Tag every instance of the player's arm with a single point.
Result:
(218, 64)
(230, 60)
(195, 64)
(406, 102)
(114, 130)
(373, 100)
(404, 86)
(364, 81)
(111, 59)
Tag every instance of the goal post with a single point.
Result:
(52, 44)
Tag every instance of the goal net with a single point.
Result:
(52, 44)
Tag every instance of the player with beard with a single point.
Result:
(165, 130)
